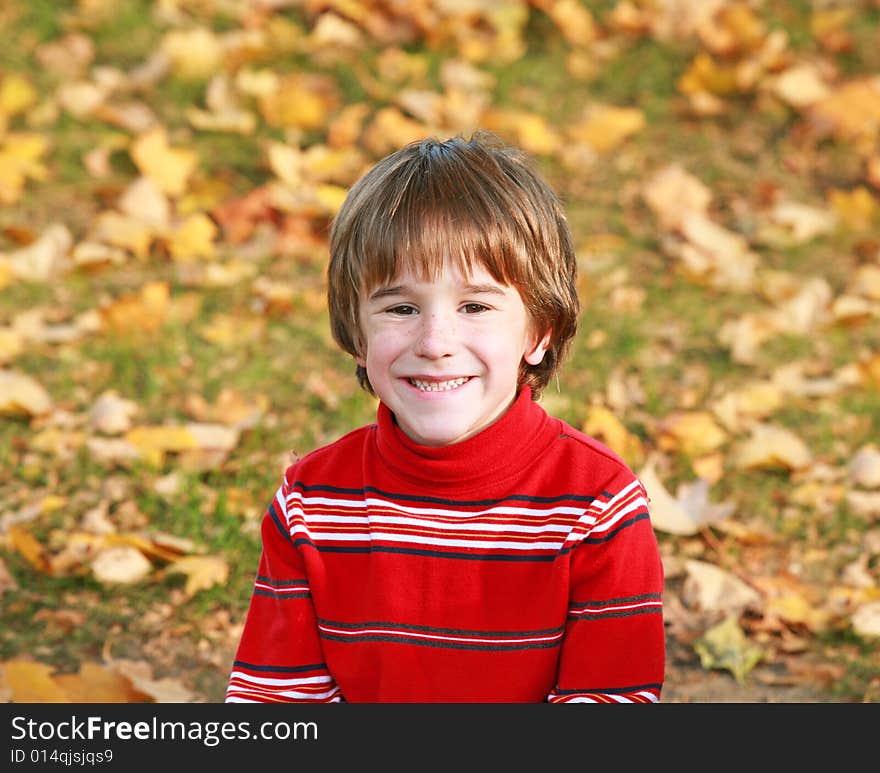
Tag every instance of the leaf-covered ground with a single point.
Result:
(168, 169)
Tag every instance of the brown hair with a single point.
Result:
(474, 201)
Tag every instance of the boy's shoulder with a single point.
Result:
(329, 454)
(595, 451)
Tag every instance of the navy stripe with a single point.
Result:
(281, 527)
(443, 645)
(415, 552)
(609, 690)
(279, 583)
(451, 631)
(281, 596)
(623, 525)
(439, 501)
(622, 600)
(281, 669)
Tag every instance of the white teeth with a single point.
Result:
(438, 386)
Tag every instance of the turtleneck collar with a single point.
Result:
(497, 453)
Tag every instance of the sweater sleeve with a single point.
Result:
(614, 645)
(279, 657)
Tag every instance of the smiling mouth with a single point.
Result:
(438, 386)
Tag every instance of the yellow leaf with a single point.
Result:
(608, 429)
(794, 608)
(672, 191)
(604, 127)
(772, 447)
(850, 112)
(202, 572)
(22, 395)
(330, 197)
(32, 682)
(16, 94)
(149, 439)
(692, 433)
(123, 231)
(193, 239)
(302, 100)
(30, 548)
(144, 310)
(11, 343)
(575, 22)
(20, 155)
(170, 168)
(706, 75)
(195, 54)
(857, 208)
(96, 684)
(390, 129)
(533, 132)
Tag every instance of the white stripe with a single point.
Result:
(272, 681)
(415, 635)
(238, 699)
(273, 589)
(596, 610)
(637, 503)
(373, 502)
(622, 494)
(422, 540)
(463, 526)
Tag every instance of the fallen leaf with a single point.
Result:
(140, 674)
(725, 646)
(608, 429)
(866, 620)
(202, 572)
(711, 589)
(692, 433)
(111, 414)
(7, 581)
(31, 682)
(94, 683)
(772, 447)
(864, 467)
(21, 395)
(193, 54)
(604, 127)
(688, 512)
(801, 85)
(671, 192)
(170, 168)
(42, 260)
(120, 564)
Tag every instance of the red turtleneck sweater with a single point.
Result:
(517, 566)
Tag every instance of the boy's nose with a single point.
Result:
(435, 337)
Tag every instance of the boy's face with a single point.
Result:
(444, 355)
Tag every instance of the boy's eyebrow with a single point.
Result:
(484, 289)
(384, 291)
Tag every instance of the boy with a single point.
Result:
(466, 546)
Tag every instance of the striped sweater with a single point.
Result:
(517, 566)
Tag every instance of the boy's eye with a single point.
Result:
(474, 308)
(402, 309)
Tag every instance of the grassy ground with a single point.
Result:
(646, 323)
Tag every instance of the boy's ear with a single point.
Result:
(536, 353)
